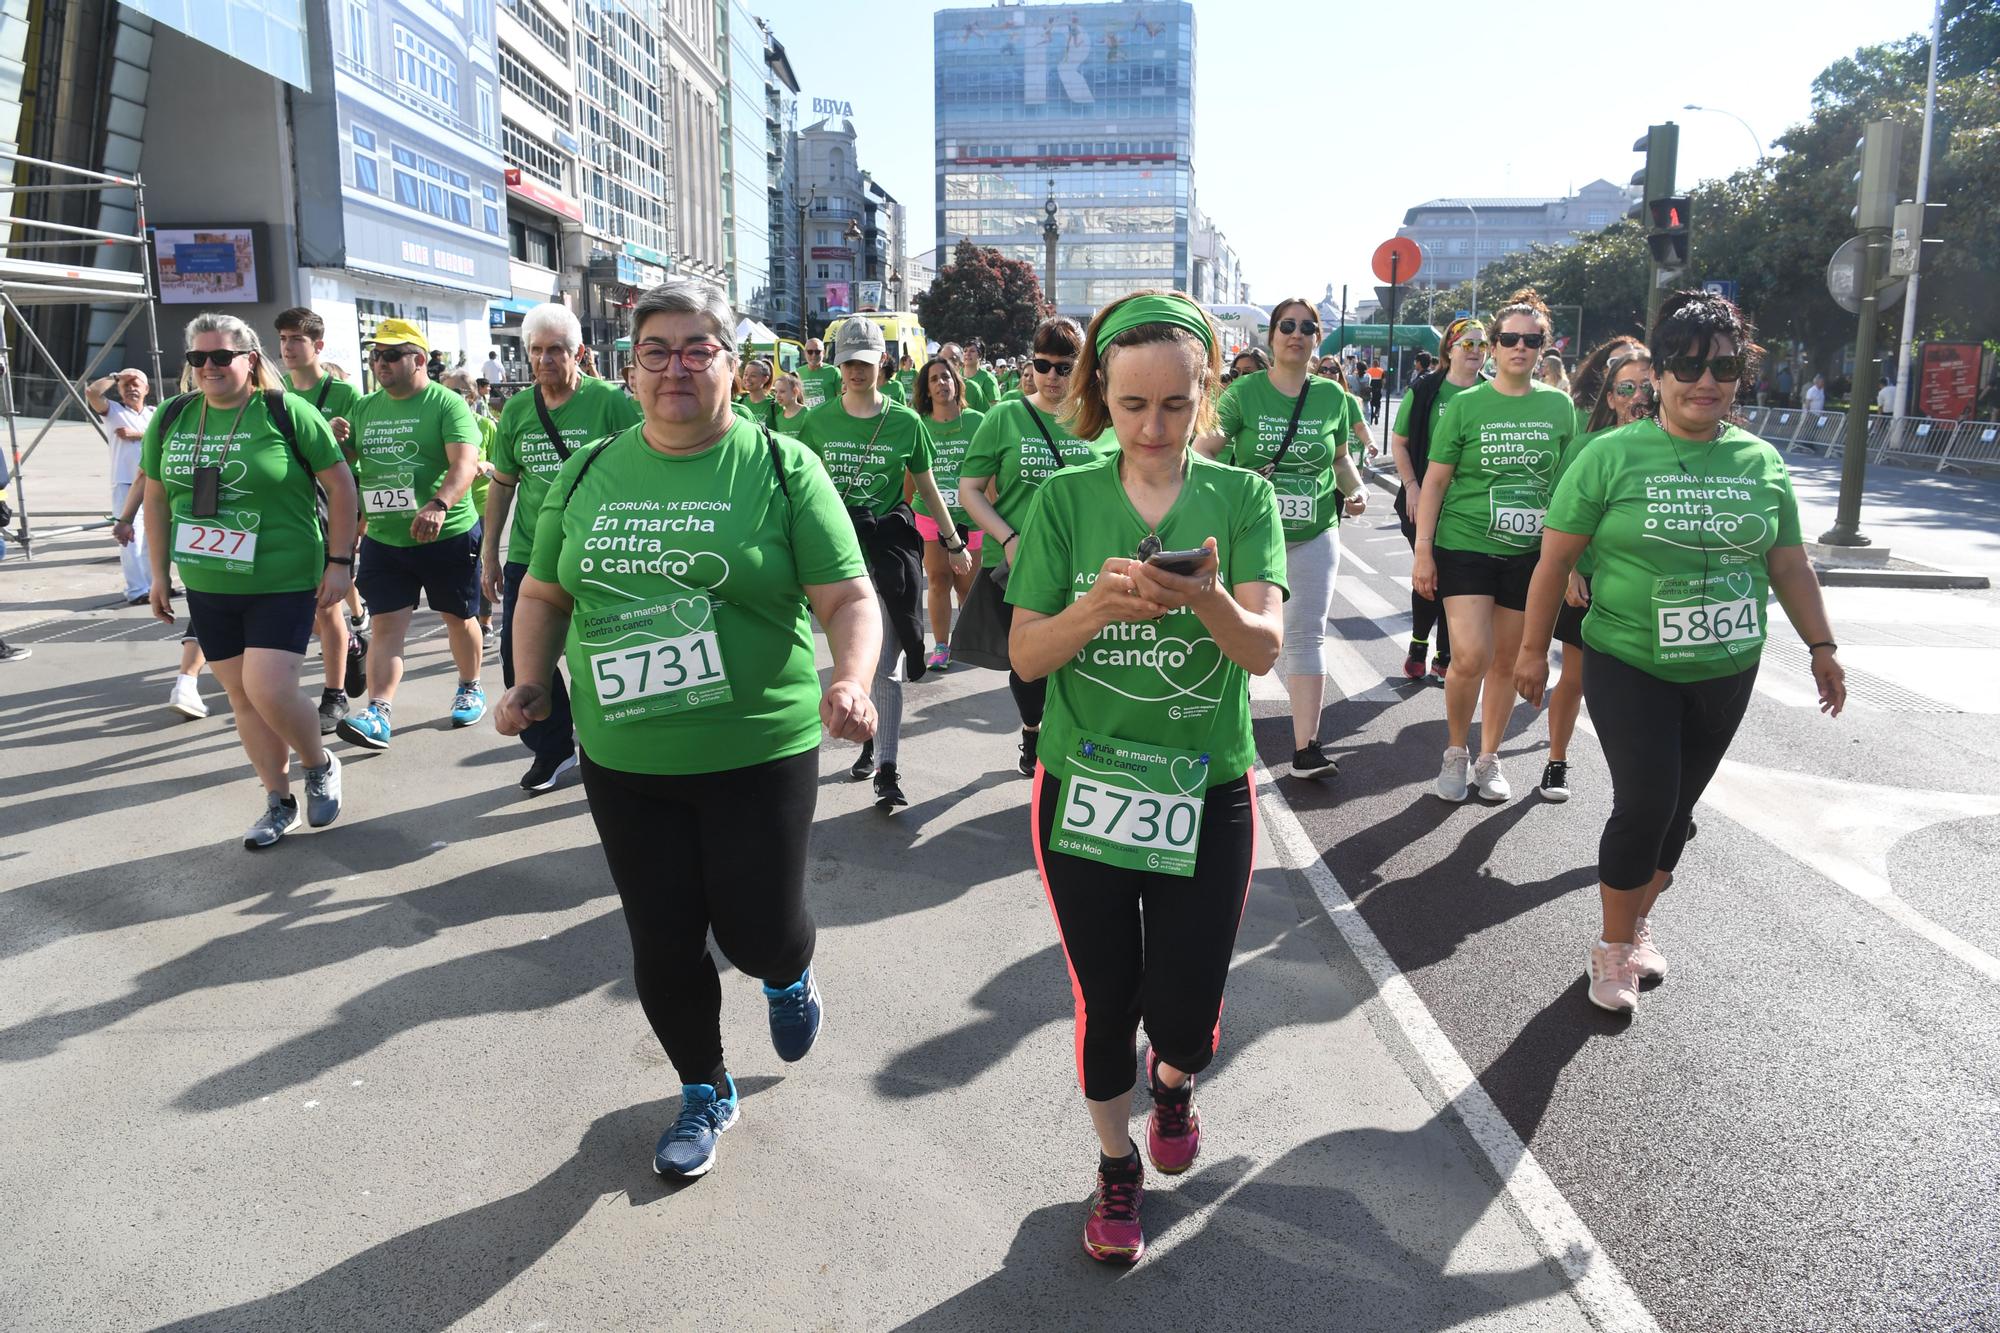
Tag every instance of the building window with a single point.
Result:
(526, 80)
(530, 153)
(367, 171)
(358, 32)
(530, 245)
(1598, 217)
(408, 193)
(483, 98)
(541, 25)
(490, 209)
(423, 67)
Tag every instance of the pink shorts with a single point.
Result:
(928, 529)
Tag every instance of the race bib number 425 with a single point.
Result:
(1134, 806)
(656, 658)
(389, 499)
(1706, 620)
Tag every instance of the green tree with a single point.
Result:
(982, 294)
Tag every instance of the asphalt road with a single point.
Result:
(392, 1075)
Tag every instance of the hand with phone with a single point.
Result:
(1177, 579)
(1115, 596)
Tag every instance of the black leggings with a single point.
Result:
(1663, 741)
(1144, 946)
(723, 850)
(1030, 696)
(1426, 613)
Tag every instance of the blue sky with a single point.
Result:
(1315, 127)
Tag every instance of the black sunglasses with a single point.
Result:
(221, 358)
(1043, 366)
(1687, 369)
(1635, 388)
(1305, 326)
(1532, 340)
(391, 353)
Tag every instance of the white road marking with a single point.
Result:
(1607, 1299)
(1373, 605)
(1353, 558)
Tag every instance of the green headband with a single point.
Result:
(1172, 309)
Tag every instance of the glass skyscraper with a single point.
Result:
(1099, 100)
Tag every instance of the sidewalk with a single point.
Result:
(393, 1075)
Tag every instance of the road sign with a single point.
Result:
(1843, 279)
(1407, 258)
(1723, 287)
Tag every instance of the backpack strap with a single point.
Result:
(171, 410)
(325, 388)
(591, 453)
(549, 426)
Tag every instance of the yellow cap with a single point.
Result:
(395, 331)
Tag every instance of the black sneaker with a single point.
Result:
(888, 792)
(332, 708)
(1029, 743)
(544, 773)
(9, 653)
(864, 764)
(1312, 762)
(1555, 780)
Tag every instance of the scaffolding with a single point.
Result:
(28, 282)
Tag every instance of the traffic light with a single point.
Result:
(1880, 149)
(1668, 240)
(1661, 145)
(1914, 240)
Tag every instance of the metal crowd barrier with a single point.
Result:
(1910, 442)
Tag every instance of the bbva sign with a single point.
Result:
(833, 106)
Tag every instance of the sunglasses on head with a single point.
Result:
(1043, 366)
(1476, 344)
(1687, 369)
(1305, 326)
(1531, 340)
(221, 358)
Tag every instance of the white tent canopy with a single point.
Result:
(750, 331)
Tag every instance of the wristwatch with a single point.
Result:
(442, 507)
(954, 550)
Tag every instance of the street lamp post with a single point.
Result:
(805, 205)
(1755, 137)
(1050, 231)
(853, 233)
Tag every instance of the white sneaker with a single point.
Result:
(1451, 783)
(1614, 981)
(1490, 781)
(186, 697)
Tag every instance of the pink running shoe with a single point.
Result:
(940, 658)
(1646, 957)
(1614, 981)
(1173, 1130)
(1112, 1234)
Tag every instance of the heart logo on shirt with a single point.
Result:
(695, 570)
(690, 612)
(1740, 584)
(1193, 653)
(1188, 775)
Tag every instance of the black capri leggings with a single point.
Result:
(707, 850)
(1030, 696)
(1426, 613)
(1663, 741)
(1148, 947)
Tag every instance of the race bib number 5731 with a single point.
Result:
(657, 658)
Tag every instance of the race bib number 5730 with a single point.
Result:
(1132, 805)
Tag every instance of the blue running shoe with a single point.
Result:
(468, 705)
(368, 728)
(687, 1149)
(795, 1017)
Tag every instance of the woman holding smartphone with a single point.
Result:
(1147, 590)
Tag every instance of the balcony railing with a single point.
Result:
(418, 103)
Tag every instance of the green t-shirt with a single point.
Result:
(644, 528)
(791, 425)
(1505, 450)
(400, 448)
(1162, 682)
(981, 390)
(894, 390)
(521, 448)
(1586, 564)
(1682, 533)
(339, 396)
(267, 502)
(1009, 448)
(487, 433)
(1254, 416)
(1446, 392)
(867, 456)
(822, 385)
(949, 441)
(766, 413)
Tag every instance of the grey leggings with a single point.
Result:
(1310, 566)
(888, 690)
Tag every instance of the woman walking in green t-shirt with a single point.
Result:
(1693, 523)
(1144, 809)
(1294, 428)
(1479, 525)
(1464, 353)
(940, 401)
(683, 561)
(229, 473)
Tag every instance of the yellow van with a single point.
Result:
(786, 353)
(902, 330)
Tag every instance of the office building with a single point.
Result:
(1460, 236)
(761, 111)
(544, 176)
(1093, 104)
(694, 85)
(627, 237)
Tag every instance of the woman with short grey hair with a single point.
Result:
(677, 561)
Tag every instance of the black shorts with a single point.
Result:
(445, 571)
(226, 623)
(1504, 578)
(1569, 622)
